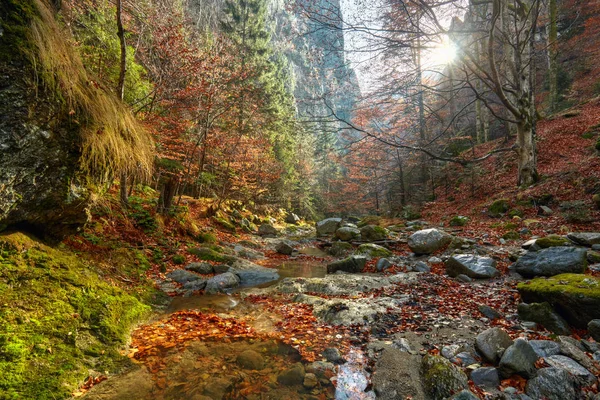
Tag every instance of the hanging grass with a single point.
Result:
(113, 140)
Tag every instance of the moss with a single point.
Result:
(574, 284)
(369, 220)
(178, 259)
(206, 237)
(511, 235)
(58, 319)
(511, 226)
(15, 22)
(441, 378)
(498, 208)
(340, 248)
(373, 250)
(552, 241)
(515, 212)
(224, 223)
(597, 146)
(458, 220)
(593, 257)
(209, 254)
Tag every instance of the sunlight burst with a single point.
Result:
(445, 53)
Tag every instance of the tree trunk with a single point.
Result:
(121, 90)
(552, 54)
(167, 194)
(527, 155)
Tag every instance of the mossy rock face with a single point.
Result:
(552, 241)
(224, 223)
(206, 237)
(512, 235)
(372, 233)
(459, 220)
(441, 378)
(373, 250)
(498, 208)
(340, 248)
(58, 319)
(576, 297)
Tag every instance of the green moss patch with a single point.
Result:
(369, 220)
(552, 241)
(224, 223)
(498, 208)
(459, 220)
(58, 320)
(211, 254)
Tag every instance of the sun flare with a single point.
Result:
(445, 53)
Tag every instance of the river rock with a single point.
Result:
(575, 297)
(251, 274)
(284, 248)
(427, 241)
(544, 314)
(338, 249)
(473, 266)
(421, 266)
(322, 369)
(250, 359)
(222, 283)
(441, 378)
(373, 233)
(182, 276)
(585, 238)
(250, 254)
(353, 264)
(333, 355)
(373, 250)
(518, 359)
(397, 375)
(383, 264)
(347, 233)
(552, 261)
(328, 226)
(545, 348)
(310, 381)
(267, 230)
(574, 352)
(333, 285)
(491, 343)
(486, 377)
(582, 375)
(198, 284)
(594, 329)
(552, 384)
(464, 395)
(292, 376)
(200, 268)
(292, 218)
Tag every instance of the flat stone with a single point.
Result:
(552, 261)
(473, 266)
(585, 238)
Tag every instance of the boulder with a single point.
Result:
(383, 264)
(292, 376)
(552, 261)
(552, 384)
(594, 329)
(322, 369)
(251, 274)
(520, 359)
(333, 355)
(473, 266)
(250, 254)
(250, 359)
(441, 378)
(373, 233)
(583, 376)
(340, 248)
(427, 241)
(572, 351)
(292, 218)
(267, 230)
(491, 343)
(489, 312)
(575, 297)
(353, 264)
(222, 283)
(284, 248)
(545, 348)
(200, 268)
(182, 276)
(464, 395)
(585, 238)
(347, 233)
(373, 250)
(486, 377)
(421, 266)
(544, 314)
(552, 241)
(328, 226)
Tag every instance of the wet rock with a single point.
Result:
(518, 359)
(222, 283)
(552, 384)
(486, 377)
(310, 381)
(576, 297)
(373, 233)
(428, 241)
(196, 285)
(292, 218)
(545, 348)
(322, 369)
(383, 264)
(347, 233)
(216, 388)
(488, 311)
(420, 266)
(544, 314)
(353, 264)
(492, 343)
(332, 285)
(251, 274)
(250, 359)
(284, 248)
(582, 375)
(182, 276)
(397, 376)
(373, 250)
(333, 355)
(267, 230)
(464, 395)
(340, 249)
(292, 376)
(328, 226)
(441, 378)
(464, 359)
(552, 261)
(473, 266)
(594, 329)
(200, 268)
(585, 238)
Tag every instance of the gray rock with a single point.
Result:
(383, 264)
(486, 377)
(464, 395)
(473, 266)
(464, 359)
(292, 218)
(488, 311)
(251, 274)
(545, 348)
(267, 230)
(594, 329)
(420, 266)
(353, 264)
(284, 248)
(182, 276)
(328, 226)
(464, 278)
(250, 359)
(310, 381)
(200, 268)
(333, 355)
(518, 359)
(222, 283)
(552, 384)
(544, 314)
(582, 375)
(250, 254)
(347, 233)
(492, 343)
(434, 260)
(397, 376)
(441, 378)
(552, 261)
(450, 351)
(427, 241)
(292, 376)
(195, 285)
(373, 233)
(572, 351)
(585, 238)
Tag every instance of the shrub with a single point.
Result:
(178, 259)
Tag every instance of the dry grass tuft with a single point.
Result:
(113, 140)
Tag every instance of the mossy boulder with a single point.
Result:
(459, 220)
(340, 248)
(576, 297)
(511, 235)
(373, 250)
(369, 220)
(516, 212)
(544, 314)
(373, 233)
(441, 378)
(206, 237)
(353, 264)
(225, 223)
(211, 254)
(347, 233)
(498, 208)
(552, 241)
